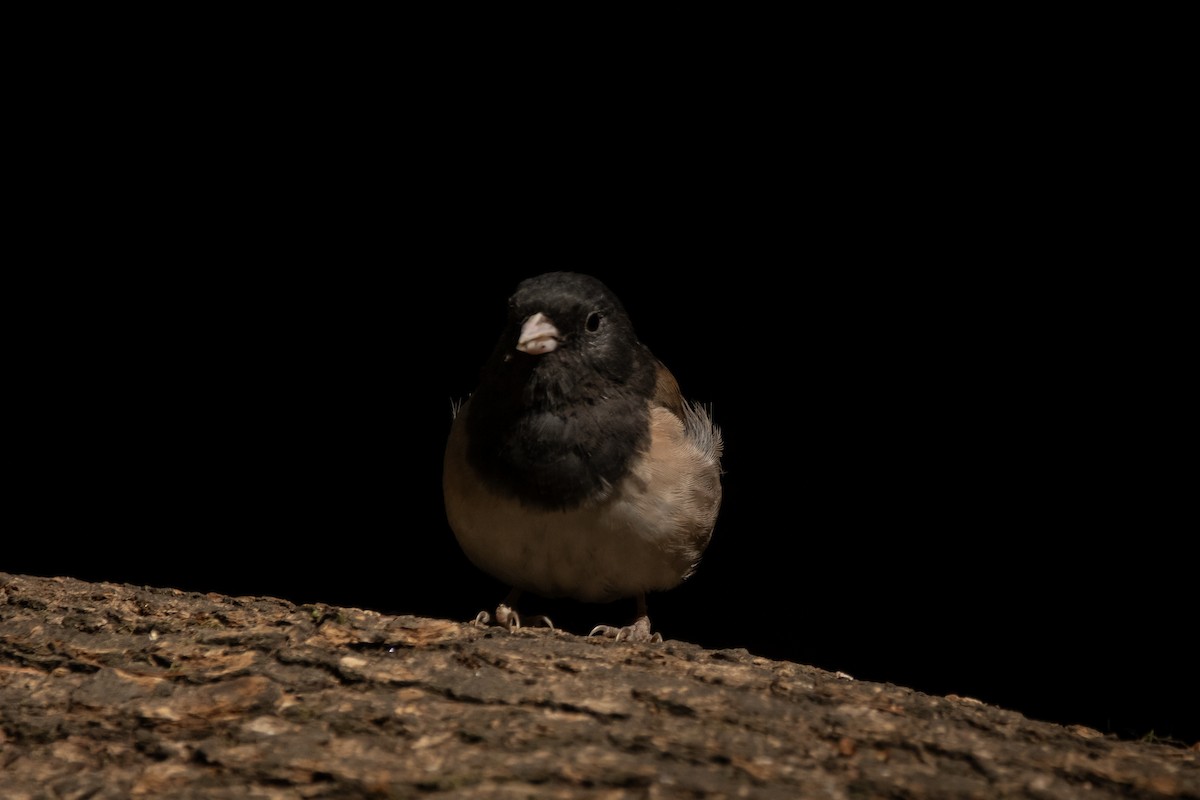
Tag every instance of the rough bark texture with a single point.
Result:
(110, 691)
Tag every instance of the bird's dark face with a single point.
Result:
(568, 322)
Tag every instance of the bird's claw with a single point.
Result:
(509, 619)
(639, 631)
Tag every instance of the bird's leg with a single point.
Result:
(507, 616)
(639, 631)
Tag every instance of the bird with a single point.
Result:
(576, 468)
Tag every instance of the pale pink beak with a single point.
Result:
(538, 336)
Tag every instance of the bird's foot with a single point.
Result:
(639, 631)
(508, 618)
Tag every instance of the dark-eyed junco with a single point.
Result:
(577, 469)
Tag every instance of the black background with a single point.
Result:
(930, 482)
(955, 444)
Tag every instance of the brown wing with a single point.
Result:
(666, 392)
(696, 420)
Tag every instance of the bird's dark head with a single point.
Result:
(568, 330)
(562, 404)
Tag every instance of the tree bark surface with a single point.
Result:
(117, 691)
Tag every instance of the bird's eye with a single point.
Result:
(593, 321)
